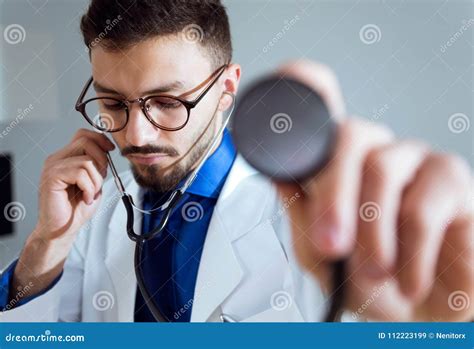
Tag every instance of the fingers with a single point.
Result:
(428, 205)
(333, 194)
(455, 270)
(98, 138)
(80, 171)
(320, 78)
(387, 171)
(86, 142)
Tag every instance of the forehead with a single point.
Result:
(150, 64)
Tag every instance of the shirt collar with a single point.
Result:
(212, 175)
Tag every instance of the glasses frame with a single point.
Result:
(189, 105)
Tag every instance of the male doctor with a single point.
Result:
(256, 250)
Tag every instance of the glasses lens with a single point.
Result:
(106, 114)
(166, 112)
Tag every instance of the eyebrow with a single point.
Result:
(174, 86)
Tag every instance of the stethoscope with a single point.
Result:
(263, 119)
(167, 209)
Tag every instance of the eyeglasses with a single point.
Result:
(167, 112)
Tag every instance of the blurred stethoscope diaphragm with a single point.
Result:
(283, 129)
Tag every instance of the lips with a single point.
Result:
(148, 159)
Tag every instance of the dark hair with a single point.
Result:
(119, 24)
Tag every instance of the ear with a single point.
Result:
(230, 83)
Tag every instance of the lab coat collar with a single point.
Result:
(219, 271)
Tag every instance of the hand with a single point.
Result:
(396, 210)
(71, 183)
(70, 191)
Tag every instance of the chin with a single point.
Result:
(153, 177)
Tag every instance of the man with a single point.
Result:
(239, 258)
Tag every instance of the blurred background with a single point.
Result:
(407, 64)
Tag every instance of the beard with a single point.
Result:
(165, 178)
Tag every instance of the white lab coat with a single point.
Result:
(248, 270)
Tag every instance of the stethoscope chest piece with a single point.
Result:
(283, 129)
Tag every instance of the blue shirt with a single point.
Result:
(171, 260)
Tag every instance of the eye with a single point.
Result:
(163, 103)
(113, 105)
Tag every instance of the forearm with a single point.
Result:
(40, 263)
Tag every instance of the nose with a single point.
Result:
(139, 130)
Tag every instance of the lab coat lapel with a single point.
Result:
(219, 270)
(120, 258)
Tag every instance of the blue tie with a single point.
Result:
(171, 260)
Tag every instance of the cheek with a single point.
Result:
(119, 139)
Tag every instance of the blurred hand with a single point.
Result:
(395, 209)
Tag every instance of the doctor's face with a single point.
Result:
(165, 65)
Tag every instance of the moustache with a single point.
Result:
(150, 149)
